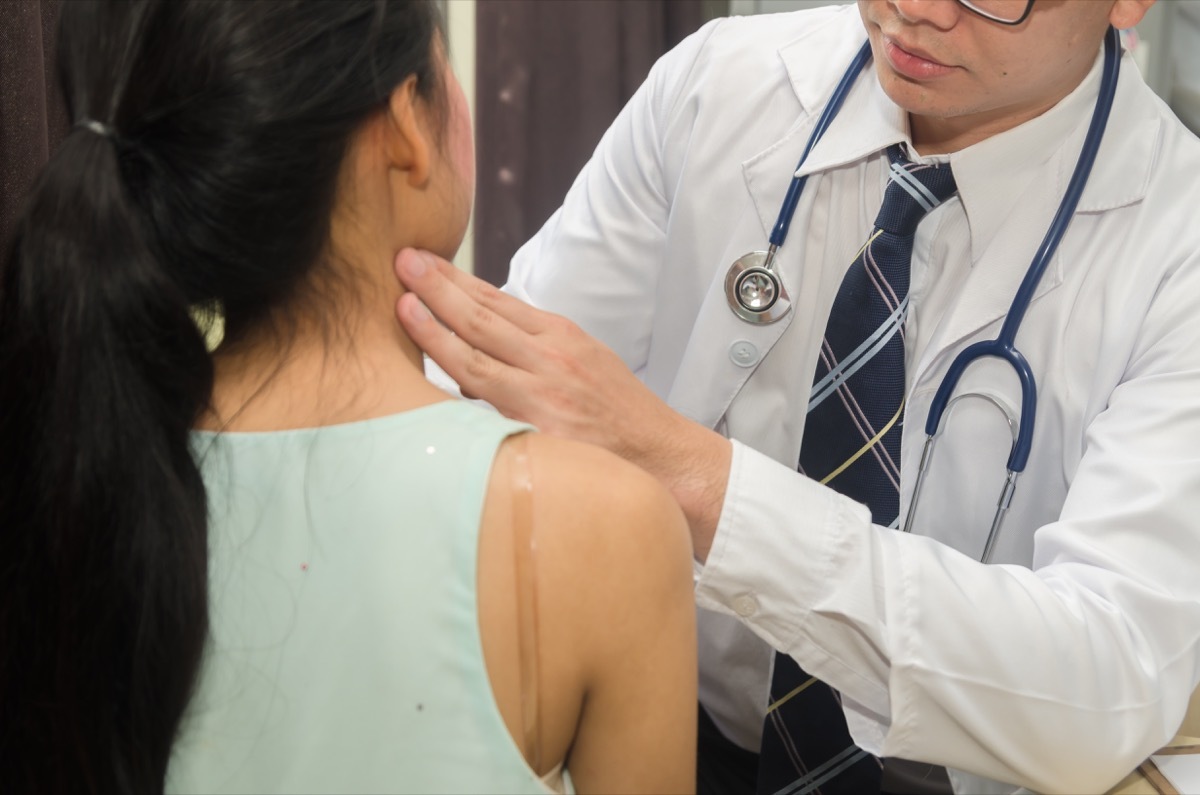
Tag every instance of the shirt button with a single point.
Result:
(743, 353)
(745, 605)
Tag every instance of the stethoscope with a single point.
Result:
(756, 293)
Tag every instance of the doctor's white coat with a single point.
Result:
(1068, 660)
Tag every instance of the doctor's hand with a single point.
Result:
(541, 368)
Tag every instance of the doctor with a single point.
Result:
(1070, 657)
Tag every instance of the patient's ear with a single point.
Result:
(407, 141)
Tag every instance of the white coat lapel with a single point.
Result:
(724, 350)
(811, 62)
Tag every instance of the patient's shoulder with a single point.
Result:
(600, 505)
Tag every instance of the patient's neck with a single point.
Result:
(335, 354)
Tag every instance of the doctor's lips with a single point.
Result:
(912, 62)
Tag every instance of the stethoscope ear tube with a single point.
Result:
(1010, 479)
(1018, 456)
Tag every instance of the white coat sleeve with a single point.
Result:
(598, 258)
(1061, 677)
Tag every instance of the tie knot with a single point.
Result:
(913, 190)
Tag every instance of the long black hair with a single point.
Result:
(201, 171)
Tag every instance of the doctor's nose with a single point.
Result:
(941, 14)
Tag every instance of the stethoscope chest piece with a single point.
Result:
(754, 290)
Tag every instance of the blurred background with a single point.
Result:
(544, 79)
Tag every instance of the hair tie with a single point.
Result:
(99, 128)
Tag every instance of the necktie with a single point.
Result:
(852, 443)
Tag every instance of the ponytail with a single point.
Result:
(103, 596)
(231, 122)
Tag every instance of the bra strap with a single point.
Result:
(525, 554)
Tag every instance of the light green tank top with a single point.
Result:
(344, 651)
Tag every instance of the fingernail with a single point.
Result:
(417, 312)
(413, 264)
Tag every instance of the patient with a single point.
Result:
(293, 564)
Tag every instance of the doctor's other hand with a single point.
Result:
(541, 368)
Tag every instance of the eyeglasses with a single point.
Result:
(1006, 12)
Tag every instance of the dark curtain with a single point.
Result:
(33, 114)
(550, 77)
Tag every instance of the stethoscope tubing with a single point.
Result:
(792, 198)
(756, 270)
(761, 265)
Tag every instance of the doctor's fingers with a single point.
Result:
(560, 380)
(531, 365)
(477, 373)
(472, 320)
(428, 275)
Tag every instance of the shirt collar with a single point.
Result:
(993, 174)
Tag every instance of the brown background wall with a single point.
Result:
(33, 115)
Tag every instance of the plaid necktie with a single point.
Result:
(852, 443)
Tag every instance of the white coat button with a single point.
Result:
(743, 353)
(745, 605)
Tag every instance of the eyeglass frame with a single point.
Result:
(970, 6)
